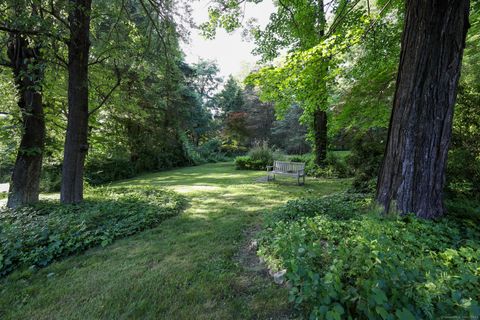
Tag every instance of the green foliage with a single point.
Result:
(9, 125)
(196, 257)
(344, 261)
(232, 150)
(366, 158)
(100, 171)
(340, 207)
(334, 166)
(261, 152)
(463, 207)
(246, 163)
(143, 96)
(230, 99)
(258, 158)
(365, 85)
(463, 173)
(211, 151)
(51, 178)
(208, 152)
(97, 171)
(35, 236)
(463, 169)
(289, 134)
(6, 169)
(340, 67)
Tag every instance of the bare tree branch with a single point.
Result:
(107, 96)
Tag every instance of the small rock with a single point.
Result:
(279, 277)
(253, 245)
(51, 274)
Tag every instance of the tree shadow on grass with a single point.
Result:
(185, 268)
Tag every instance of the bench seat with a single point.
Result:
(287, 168)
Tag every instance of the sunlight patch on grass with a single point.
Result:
(183, 269)
(194, 188)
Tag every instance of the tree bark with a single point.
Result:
(320, 131)
(26, 63)
(320, 115)
(76, 141)
(413, 172)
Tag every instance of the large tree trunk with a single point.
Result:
(320, 115)
(320, 131)
(26, 63)
(76, 141)
(413, 172)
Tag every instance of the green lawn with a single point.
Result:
(190, 267)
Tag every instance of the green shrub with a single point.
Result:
(231, 150)
(366, 158)
(258, 158)
(211, 146)
(261, 152)
(247, 163)
(99, 171)
(463, 174)
(211, 151)
(308, 157)
(334, 166)
(344, 261)
(191, 152)
(51, 178)
(208, 152)
(463, 207)
(344, 206)
(6, 169)
(37, 235)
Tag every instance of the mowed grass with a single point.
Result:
(189, 267)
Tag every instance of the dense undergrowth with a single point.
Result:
(261, 156)
(334, 166)
(344, 260)
(36, 235)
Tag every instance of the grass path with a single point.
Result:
(186, 268)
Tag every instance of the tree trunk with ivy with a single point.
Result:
(27, 66)
(76, 141)
(413, 172)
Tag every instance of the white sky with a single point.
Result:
(231, 52)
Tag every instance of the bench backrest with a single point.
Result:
(286, 166)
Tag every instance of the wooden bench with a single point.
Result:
(286, 168)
